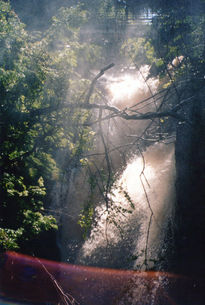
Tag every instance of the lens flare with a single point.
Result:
(59, 283)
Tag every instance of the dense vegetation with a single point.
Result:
(45, 75)
(42, 75)
(35, 125)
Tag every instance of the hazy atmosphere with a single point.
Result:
(102, 152)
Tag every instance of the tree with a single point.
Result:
(35, 124)
(177, 38)
(22, 188)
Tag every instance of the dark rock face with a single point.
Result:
(190, 185)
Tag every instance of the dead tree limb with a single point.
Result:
(109, 168)
(66, 298)
(90, 91)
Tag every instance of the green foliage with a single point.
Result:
(34, 223)
(37, 75)
(178, 33)
(86, 220)
(9, 239)
(15, 187)
(15, 190)
(134, 48)
(86, 217)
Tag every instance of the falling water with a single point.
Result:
(130, 232)
(131, 86)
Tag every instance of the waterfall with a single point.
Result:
(131, 232)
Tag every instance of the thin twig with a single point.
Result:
(66, 298)
(108, 184)
(149, 205)
(90, 91)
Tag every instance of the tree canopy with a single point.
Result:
(35, 124)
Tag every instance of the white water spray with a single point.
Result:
(136, 223)
(130, 232)
(129, 89)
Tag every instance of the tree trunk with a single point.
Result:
(190, 188)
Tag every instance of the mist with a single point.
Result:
(102, 149)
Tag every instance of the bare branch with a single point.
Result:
(90, 91)
(66, 298)
(108, 184)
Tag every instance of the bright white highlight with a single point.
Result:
(130, 88)
(124, 87)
